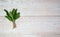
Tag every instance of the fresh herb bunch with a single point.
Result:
(12, 16)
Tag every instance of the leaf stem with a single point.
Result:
(14, 24)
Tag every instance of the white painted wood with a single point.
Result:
(31, 27)
(32, 7)
(39, 18)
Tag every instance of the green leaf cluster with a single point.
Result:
(12, 15)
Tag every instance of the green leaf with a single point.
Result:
(12, 15)
(17, 16)
(6, 12)
(14, 11)
(8, 18)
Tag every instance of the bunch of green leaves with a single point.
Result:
(12, 15)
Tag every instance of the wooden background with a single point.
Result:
(39, 18)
